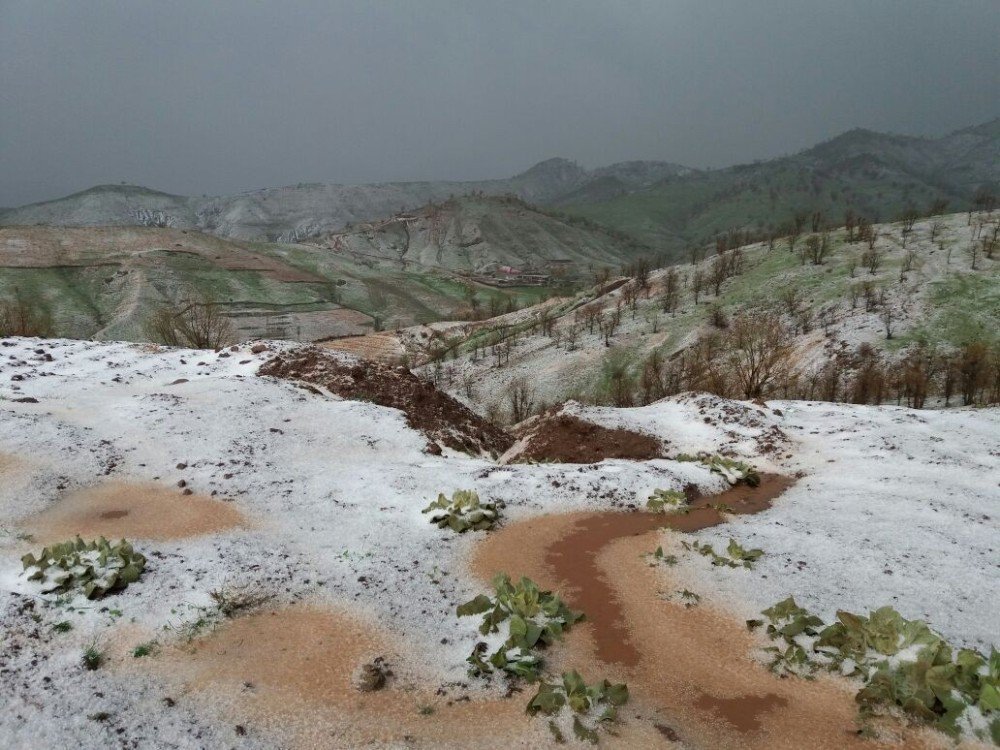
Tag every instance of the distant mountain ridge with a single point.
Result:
(291, 213)
(662, 204)
(873, 174)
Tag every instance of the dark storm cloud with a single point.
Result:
(213, 97)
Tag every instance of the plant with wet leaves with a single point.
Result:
(736, 555)
(903, 663)
(659, 556)
(592, 705)
(667, 501)
(96, 567)
(534, 619)
(463, 512)
(734, 471)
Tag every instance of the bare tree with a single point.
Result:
(19, 317)
(609, 323)
(759, 351)
(670, 297)
(872, 259)
(199, 324)
(973, 252)
(697, 284)
(520, 398)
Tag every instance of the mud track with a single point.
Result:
(689, 668)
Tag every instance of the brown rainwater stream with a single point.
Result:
(689, 669)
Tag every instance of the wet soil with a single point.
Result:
(445, 421)
(133, 511)
(573, 558)
(689, 669)
(569, 439)
(293, 673)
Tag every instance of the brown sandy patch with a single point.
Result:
(569, 439)
(689, 670)
(291, 672)
(135, 511)
(10, 465)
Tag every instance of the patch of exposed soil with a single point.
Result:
(437, 415)
(293, 673)
(573, 558)
(133, 511)
(689, 670)
(569, 439)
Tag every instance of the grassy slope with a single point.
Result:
(697, 207)
(946, 303)
(121, 274)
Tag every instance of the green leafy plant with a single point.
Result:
(97, 567)
(462, 512)
(735, 556)
(592, 705)
(534, 619)
(734, 471)
(901, 662)
(666, 501)
(149, 648)
(63, 627)
(92, 658)
(659, 556)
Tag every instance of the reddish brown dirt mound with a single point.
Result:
(441, 418)
(569, 439)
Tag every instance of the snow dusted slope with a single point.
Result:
(895, 506)
(331, 492)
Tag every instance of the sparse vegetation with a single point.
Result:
(593, 705)
(463, 512)
(902, 664)
(736, 556)
(20, 317)
(92, 657)
(534, 619)
(666, 501)
(198, 324)
(95, 568)
(149, 648)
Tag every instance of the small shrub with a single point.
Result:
(535, 619)
(592, 705)
(232, 598)
(463, 512)
(63, 627)
(734, 471)
(735, 556)
(902, 663)
(149, 648)
(97, 567)
(689, 598)
(92, 658)
(665, 559)
(666, 501)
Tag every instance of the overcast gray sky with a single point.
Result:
(213, 97)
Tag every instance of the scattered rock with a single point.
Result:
(372, 675)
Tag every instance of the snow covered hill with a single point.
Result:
(226, 479)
